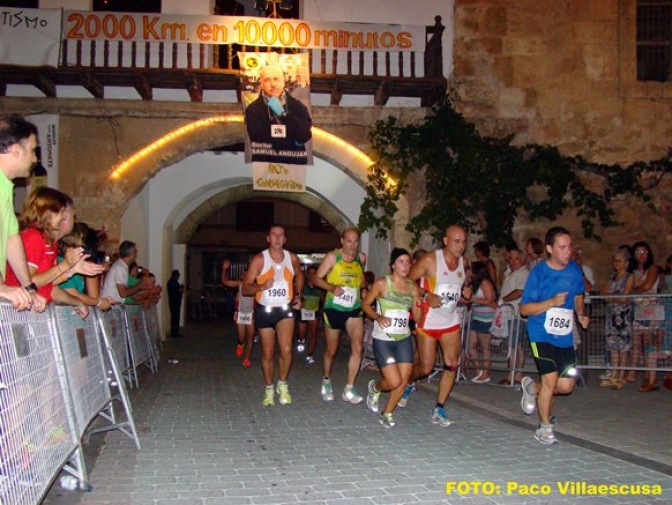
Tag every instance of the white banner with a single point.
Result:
(30, 37)
(243, 30)
(276, 99)
(279, 177)
(47, 128)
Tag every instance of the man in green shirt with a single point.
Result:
(18, 140)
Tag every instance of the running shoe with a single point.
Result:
(351, 395)
(247, 363)
(283, 391)
(529, 400)
(301, 345)
(269, 397)
(373, 397)
(439, 417)
(410, 388)
(310, 360)
(545, 435)
(239, 350)
(387, 420)
(327, 393)
(605, 375)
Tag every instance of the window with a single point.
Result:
(654, 40)
(127, 6)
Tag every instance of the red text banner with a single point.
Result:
(243, 30)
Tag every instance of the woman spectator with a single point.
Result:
(482, 252)
(87, 289)
(646, 275)
(394, 296)
(483, 306)
(618, 323)
(40, 224)
(534, 252)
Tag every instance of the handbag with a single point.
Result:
(649, 312)
(500, 323)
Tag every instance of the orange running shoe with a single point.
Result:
(246, 363)
(239, 350)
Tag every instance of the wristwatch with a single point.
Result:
(31, 287)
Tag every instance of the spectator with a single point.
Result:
(175, 292)
(40, 223)
(618, 321)
(534, 252)
(483, 306)
(18, 140)
(482, 252)
(645, 324)
(78, 285)
(116, 281)
(512, 291)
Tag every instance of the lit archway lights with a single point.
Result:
(328, 139)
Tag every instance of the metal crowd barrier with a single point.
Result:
(510, 353)
(141, 347)
(58, 374)
(646, 319)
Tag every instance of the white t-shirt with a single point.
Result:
(512, 281)
(118, 274)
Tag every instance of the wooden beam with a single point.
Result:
(93, 86)
(194, 88)
(336, 94)
(45, 85)
(143, 87)
(382, 94)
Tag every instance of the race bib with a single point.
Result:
(277, 295)
(244, 318)
(559, 321)
(348, 298)
(307, 315)
(399, 325)
(449, 293)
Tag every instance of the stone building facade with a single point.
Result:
(559, 72)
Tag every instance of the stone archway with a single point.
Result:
(244, 192)
(132, 173)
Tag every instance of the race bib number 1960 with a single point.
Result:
(559, 321)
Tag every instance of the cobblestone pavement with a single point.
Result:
(207, 440)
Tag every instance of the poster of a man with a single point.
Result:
(278, 124)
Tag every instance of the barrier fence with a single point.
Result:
(59, 374)
(644, 321)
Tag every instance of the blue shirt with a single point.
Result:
(544, 283)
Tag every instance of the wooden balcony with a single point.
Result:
(197, 68)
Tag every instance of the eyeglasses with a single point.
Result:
(619, 259)
(641, 252)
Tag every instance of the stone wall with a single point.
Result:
(562, 72)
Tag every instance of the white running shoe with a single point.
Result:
(529, 400)
(351, 395)
(327, 393)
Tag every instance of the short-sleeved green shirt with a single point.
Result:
(8, 223)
